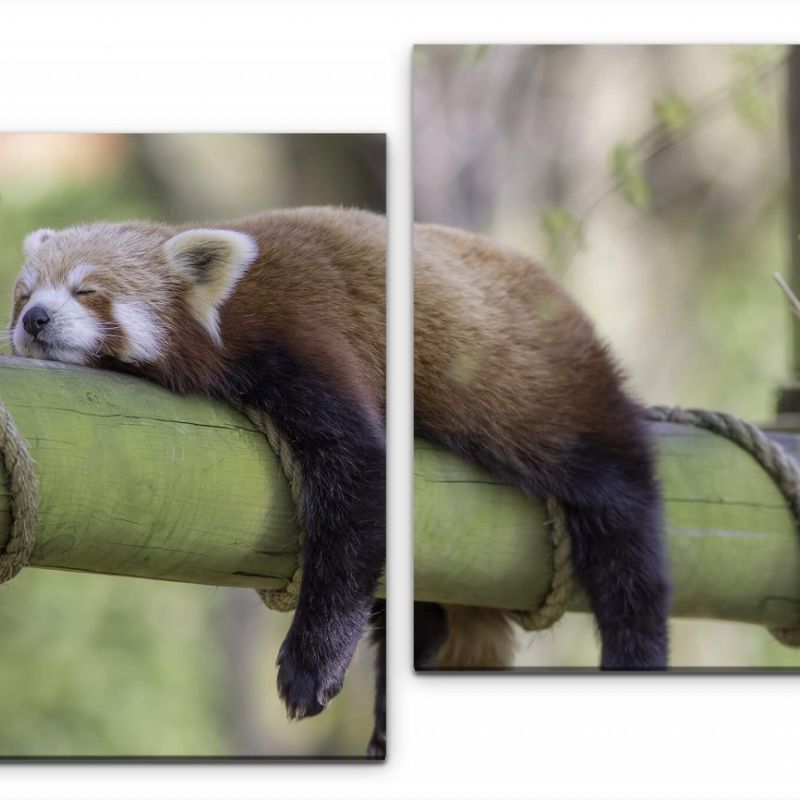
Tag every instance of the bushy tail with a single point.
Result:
(619, 559)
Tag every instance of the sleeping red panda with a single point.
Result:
(509, 372)
(283, 311)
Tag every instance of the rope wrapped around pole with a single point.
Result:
(281, 599)
(23, 492)
(781, 467)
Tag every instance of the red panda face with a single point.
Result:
(54, 321)
(117, 291)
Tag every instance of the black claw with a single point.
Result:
(307, 680)
(300, 693)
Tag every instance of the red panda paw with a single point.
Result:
(308, 676)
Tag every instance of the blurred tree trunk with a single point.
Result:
(219, 176)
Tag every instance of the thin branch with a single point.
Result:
(711, 107)
(788, 292)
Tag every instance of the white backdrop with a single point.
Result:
(345, 66)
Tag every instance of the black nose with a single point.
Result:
(34, 320)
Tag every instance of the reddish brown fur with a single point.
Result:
(501, 348)
(503, 356)
(317, 287)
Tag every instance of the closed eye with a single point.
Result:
(82, 292)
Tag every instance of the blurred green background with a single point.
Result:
(652, 180)
(107, 666)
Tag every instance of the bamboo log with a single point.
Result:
(135, 480)
(733, 545)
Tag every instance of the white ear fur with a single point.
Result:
(33, 240)
(213, 260)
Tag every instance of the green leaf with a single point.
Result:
(749, 92)
(563, 233)
(627, 172)
(673, 112)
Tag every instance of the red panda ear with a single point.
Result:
(213, 261)
(33, 240)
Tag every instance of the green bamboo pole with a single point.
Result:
(733, 546)
(135, 480)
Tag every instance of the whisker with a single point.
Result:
(61, 306)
